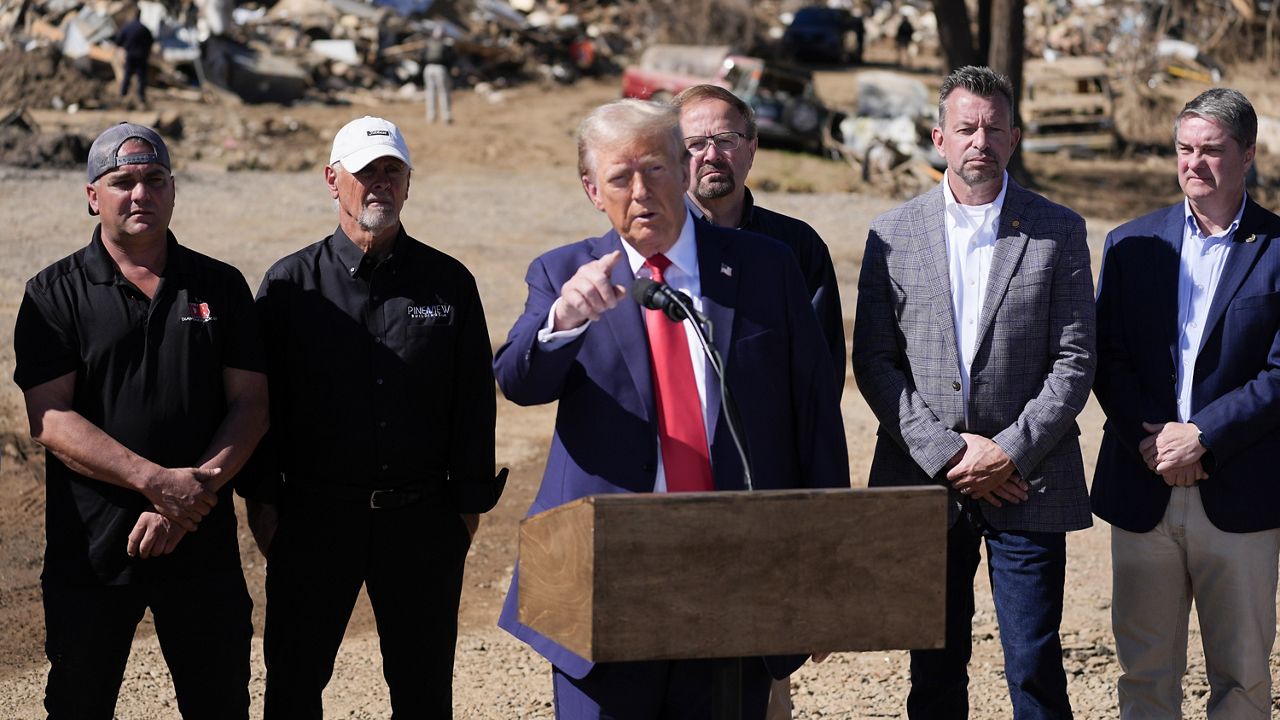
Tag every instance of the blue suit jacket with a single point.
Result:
(605, 436)
(1236, 386)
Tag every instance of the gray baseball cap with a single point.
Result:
(104, 155)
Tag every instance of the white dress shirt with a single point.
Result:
(682, 275)
(1201, 267)
(971, 243)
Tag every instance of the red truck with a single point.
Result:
(788, 110)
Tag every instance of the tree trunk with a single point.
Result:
(983, 48)
(1007, 47)
(954, 34)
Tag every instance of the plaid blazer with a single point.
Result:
(1032, 370)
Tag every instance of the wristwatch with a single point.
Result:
(1206, 460)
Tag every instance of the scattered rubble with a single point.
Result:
(314, 49)
(23, 144)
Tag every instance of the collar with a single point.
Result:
(100, 269)
(962, 212)
(748, 208)
(1227, 234)
(353, 258)
(693, 208)
(683, 254)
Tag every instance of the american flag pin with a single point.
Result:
(725, 270)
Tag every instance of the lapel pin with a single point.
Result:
(726, 271)
(1016, 224)
(1251, 238)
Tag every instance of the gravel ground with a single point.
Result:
(494, 192)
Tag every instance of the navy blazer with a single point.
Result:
(606, 438)
(1236, 383)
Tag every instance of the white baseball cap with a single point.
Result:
(362, 141)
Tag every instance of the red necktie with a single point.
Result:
(681, 431)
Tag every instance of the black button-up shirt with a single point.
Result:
(149, 374)
(380, 373)
(815, 264)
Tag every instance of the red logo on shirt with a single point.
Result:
(198, 312)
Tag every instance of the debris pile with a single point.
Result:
(22, 143)
(321, 50)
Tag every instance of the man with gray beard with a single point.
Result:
(381, 450)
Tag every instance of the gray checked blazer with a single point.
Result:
(1032, 370)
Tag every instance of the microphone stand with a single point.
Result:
(726, 673)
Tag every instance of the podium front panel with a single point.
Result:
(725, 574)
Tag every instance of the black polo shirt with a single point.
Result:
(381, 374)
(149, 374)
(816, 266)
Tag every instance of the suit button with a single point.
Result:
(955, 386)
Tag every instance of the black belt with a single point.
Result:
(373, 498)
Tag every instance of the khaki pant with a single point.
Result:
(1231, 577)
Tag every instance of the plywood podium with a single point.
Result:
(732, 574)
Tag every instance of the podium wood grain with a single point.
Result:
(725, 574)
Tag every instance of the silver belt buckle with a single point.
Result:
(373, 498)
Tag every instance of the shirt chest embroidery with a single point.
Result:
(199, 312)
(430, 312)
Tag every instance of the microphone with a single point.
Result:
(659, 296)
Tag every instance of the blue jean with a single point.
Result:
(1027, 571)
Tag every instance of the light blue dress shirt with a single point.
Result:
(1200, 269)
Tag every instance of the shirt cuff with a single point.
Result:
(549, 339)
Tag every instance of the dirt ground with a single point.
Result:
(495, 190)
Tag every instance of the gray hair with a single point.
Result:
(625, 120)
(699, 93)
(979, 80)
(1229, 108)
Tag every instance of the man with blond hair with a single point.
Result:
(639, 406)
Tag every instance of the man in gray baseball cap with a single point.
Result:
(142, 368)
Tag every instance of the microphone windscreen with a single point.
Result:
(643, 292)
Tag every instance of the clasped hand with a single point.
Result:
(1173, 451)
(983, 470)
(180, 499)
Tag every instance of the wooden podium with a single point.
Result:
(731, 574)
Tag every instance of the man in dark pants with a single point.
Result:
(382, 449)
(973, 345)
(141, 363)
(135, 40)
(720, 130)
(638, 409)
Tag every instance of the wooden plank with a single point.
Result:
(729, 574)
(556, 574)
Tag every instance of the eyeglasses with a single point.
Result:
(699, 144)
